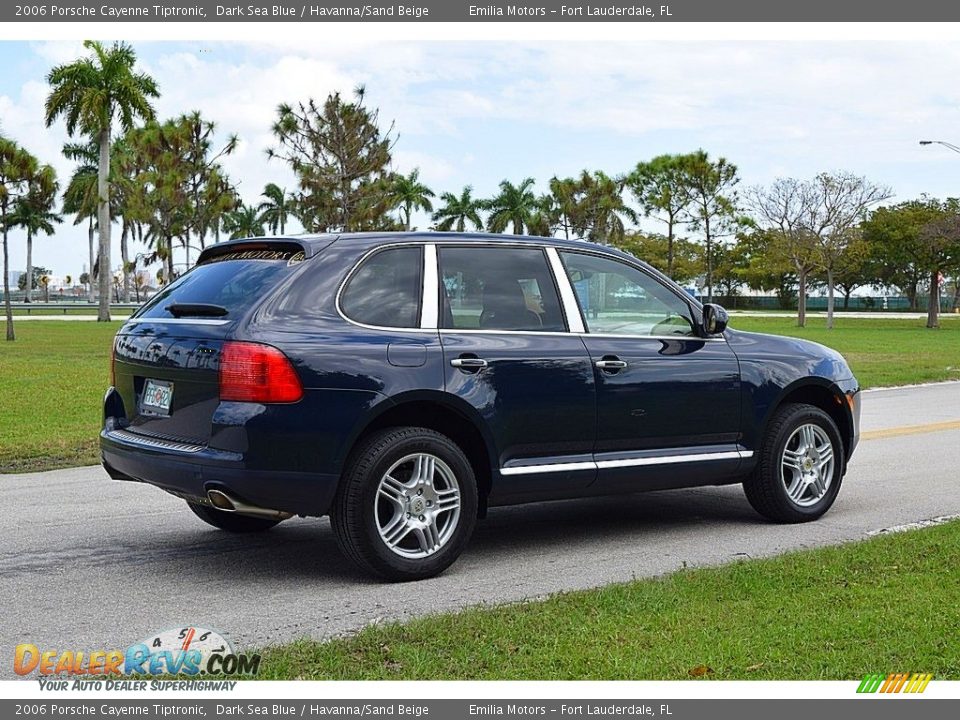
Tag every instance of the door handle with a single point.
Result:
(611, 364)
(469, 364)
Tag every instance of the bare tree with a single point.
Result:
(781, 210)
(833, 206)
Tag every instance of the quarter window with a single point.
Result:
(617, 299)
(385, 289)
(492, 288)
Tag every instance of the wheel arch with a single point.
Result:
(441, 413)
(823, 394)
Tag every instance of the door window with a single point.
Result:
(385, 289)
(491, 288)
(617, 299)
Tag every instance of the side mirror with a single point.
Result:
(715, 319)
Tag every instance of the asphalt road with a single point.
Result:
(89, 563)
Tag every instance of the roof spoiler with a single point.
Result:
(258, 248)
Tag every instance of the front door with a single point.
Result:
(668, 399)
(508, 354)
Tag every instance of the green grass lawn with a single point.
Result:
(883, 605)
(80, 309)
(52, 380)
(53, 377)
(882, 352)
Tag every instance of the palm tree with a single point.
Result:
(17, 167)
(80, 197)
(409, 194)
(458, 211)
(34, 213)
(90, 93)
(243, 222)
(514, 205)
(277, 208)
(601, 210)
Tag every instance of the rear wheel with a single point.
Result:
(800, 466)
(230, 521)
(407, 504)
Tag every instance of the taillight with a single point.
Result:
(250, 372)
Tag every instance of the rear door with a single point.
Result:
(668, 399)
(167, 356)
(508, 353)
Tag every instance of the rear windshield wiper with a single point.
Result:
(196, 310)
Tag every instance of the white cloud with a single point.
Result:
(476, 112)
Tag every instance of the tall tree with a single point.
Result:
(17, 167)
(512, 206)
(408, 194)
(341, 158)
(599, 209)
(564, 192)
(34, 213)
(656, 250)
(276, 209)
(663, 189)
(456, 211)
(781, 210)
(80, 198)
(923, 232)
(243, 222)
(836, 204)
(713, 208)
(91, 93)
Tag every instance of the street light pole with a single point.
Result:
(950, 146)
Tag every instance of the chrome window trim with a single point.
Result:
(373, 251)
(568, 298)
(430, 288)
(626, 462)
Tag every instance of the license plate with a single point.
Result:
(157, 395)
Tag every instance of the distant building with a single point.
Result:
(14, 278)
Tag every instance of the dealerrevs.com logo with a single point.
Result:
(909, 683)
(190, 651)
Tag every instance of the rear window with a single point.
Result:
(234, 281)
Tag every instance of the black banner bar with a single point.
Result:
(460, 11)
(874, 708)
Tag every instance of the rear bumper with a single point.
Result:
(190, 471)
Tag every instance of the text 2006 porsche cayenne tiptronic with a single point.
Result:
(404, 383)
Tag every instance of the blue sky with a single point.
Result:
(477, 112)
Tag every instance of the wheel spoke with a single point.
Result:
(792, 460)
(424, 469)
(448, 500)
(396, 530)
(826, 455)
(428, 536)
(797, 487)
(393, 490)
(808, 438)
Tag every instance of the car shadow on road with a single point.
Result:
(305, 549)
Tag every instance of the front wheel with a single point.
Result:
(800, 466)
(407, 504)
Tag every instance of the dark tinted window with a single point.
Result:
(235, 283)
(490, 288)
(385, 289)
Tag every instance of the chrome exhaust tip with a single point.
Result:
(220, 500)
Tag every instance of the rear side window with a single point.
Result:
(494, 288)
(385, 289)
(234, 282)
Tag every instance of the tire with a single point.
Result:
(793, 455)
(230, 521)
(384, 525)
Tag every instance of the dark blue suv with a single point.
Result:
(404, 383)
